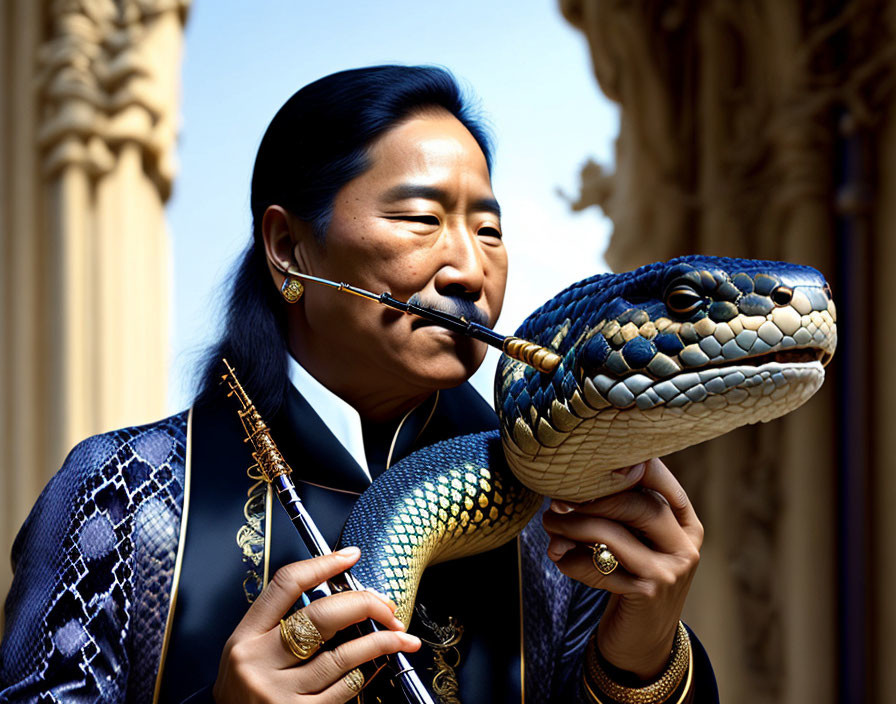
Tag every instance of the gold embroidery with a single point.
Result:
(445, 656)
(251, 535)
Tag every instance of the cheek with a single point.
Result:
(402, 270)
(496, 282)
(376, 257)
(341, 317)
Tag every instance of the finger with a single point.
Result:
(645, 512)
(329, 615)
(325, 670)
(333, 613)
(289, 583)
(578, 565)
(658, 477)
(346, 690)
(632, 554)
(627, 478)
(559, 546)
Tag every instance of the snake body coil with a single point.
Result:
(653, 361)
(449, 500)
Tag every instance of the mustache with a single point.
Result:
(453, 305)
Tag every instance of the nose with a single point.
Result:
(463, 269)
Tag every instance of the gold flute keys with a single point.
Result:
(541, 358)
(267, 456)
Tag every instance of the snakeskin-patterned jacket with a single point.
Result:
(89, 608)
(86, 614)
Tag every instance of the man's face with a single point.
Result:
(421, 220)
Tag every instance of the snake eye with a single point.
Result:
(782, 295)
(683, 300)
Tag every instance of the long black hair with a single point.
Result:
(317, 142)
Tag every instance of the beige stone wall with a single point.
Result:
(88, 118)
(732, 119)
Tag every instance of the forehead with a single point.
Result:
(427, 148)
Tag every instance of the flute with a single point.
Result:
(541, 358)
(275, 470)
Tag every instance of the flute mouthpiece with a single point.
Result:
(541, 358)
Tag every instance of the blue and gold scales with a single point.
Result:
(651, 361)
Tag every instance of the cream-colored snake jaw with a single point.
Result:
(579, 467)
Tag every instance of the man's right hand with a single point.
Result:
(256, 666)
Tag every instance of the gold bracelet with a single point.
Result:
(680, 664)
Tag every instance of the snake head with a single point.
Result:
(658, 359)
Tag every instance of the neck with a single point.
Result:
(383, 403)
(381, 409)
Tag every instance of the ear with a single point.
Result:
(283, 234)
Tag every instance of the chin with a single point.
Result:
(434, 358)
(445, 370)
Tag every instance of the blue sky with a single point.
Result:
(528, 67)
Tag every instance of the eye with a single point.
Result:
(423, 219)
(682, 300)
(490, 232)
(782, 295)
(430, 220)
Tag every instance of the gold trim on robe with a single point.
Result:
(519, 568)
(182, 539)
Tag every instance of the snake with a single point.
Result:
(653, 360)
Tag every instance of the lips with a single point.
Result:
(421, 323)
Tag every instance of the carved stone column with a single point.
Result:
(90, 104)
(731, 139)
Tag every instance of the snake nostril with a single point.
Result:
(782, 295)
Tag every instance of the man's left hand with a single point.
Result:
(655, 535)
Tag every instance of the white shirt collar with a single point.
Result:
(342, 420)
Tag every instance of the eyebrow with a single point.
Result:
(406, 191)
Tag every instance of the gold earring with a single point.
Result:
(292, 289)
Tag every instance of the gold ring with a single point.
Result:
(604, 561)
(300, 635)
(354, 679)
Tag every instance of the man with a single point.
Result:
(379, 177)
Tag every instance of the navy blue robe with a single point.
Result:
(89, 613)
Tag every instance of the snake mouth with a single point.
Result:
(801, 355)
(693, 385)
(791, 356)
